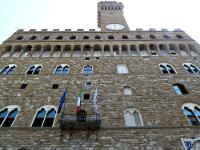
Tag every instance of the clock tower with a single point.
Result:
(110, 16)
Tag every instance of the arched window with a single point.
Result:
(143, 50)
(173, 49)
(151, 36)
(167, 68)
(36, 51)
(179, 36)
(97, 37)
(132, 118)
(45, 116)
(19, 38)
(76, 51)
(153, 49)
(86, 37)
(61, 69)
(192, 113)
(183, 50)
(107, 50)
(133, 50)
(127, 90)
(16, 51)
(111, 37)
(125, 37)
(27, 51)
(97, 50)
(35, 69)
(191, 68)
(122, 69)
(163, 50)
(179, 89)
(87, 70)
(46, 51)
(138, 37)
(7, 51)
(8, 115)
(59, 37)
(7, 70)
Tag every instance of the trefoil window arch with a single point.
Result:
(44, 116)
(8, 115)
(191, 68)
(34, 69)
(7, 70)
(62, 69)
(167, 68)
(132, 117)
(87, 70)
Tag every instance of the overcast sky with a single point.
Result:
(82, 14)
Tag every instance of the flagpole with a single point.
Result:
(64, 102)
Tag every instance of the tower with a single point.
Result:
(110, 16)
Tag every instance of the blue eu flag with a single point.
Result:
(62, 100)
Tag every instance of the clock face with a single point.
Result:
(115, 26)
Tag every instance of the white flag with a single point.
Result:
(95, 101)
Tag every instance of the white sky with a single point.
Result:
(82, 14)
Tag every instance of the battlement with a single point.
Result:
(110, 5)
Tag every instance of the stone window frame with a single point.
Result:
(191, 69)
(191, 107)
(124, 67)
(47, 108)
(36, 66)
(165, 65)
(132, 110)
(11, 108)
(10, 66)
(91, 71)
(62, 65)
(128, 88)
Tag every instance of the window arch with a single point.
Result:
(192, 113)
(163, 50)
(132, 117)
(16, 51)
(127, 90)
(167, 68)
(125, 37)
(179, 89)
(191, 68)
(111, 37)
(87, 70)
(86, 37)
(35, 69)
(7, 70)
(8, 115)
(61, 69)
(143, 50)
(97, 50)
(152, 36)
(45, 116)
(107, 50)
(7, 51)
(97, 37)
(36, 51)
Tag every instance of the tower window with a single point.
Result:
(167, 68)
(179, 36)
(44, 117)
(7, 70)
(19, 38)
(191, 68)
(122, 69)
(132, 118)
(110, 37)
(124, 37)
(35, 69)
(179, 89)
(97, 37)
(59, 37)
(138, 37)
(88, 85)
(23, 86)
(166, 36)
(152, 36)
(46, 37)
(73, 37)
(86, 37)
(87, 70)
(33, 38)
(8, 115)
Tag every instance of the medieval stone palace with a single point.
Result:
(113, 89)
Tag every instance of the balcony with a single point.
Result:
(80, 122)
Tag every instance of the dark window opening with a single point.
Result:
(179, 89)
(48, 122)
(46, 37)
(138, 37)
(110, 37)
(39, 118)
(166, 36)
(55, 86)
(33, 38)
(19, 38)
(97, 37)
(86, 37)
(30, 71)
(124, 37)
(86, 96)
(37, 70)
(72, 37)
(87, 58)
(152, 36)
(59, 37)
(23, 86)
(3, 115)
(97, 58)
(179, 36)
(10, 118)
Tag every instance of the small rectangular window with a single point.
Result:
(87, 58)
(55, 86)
(23, 86)
(86, 96)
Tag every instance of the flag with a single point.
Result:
(95, 101)
(62, 100)
(78, 103)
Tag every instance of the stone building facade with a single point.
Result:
(146, 83)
